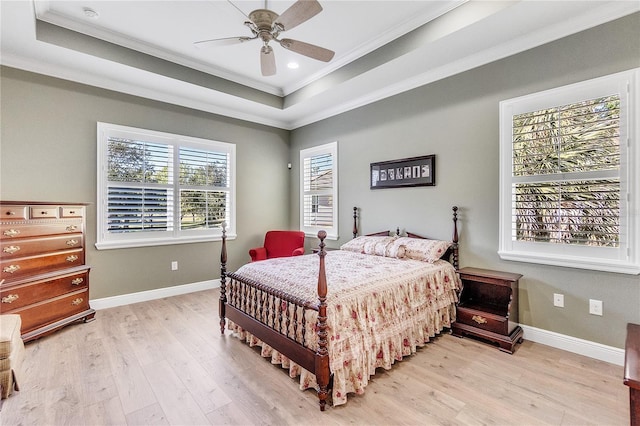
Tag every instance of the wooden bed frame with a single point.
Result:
(236, 306)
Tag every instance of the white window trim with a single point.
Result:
(103, 239)
(625, 259)
(331, 148)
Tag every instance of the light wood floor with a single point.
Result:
(165, 362)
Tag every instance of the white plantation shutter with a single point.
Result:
(158, 188)
(318, 182)
(567, 187)
(204, 188)
(138, 200)
(566, 173)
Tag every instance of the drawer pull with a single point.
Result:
(11, 249)
(11, 232)
(77, 281)
(77, 301)
(479, 319)
(72, 258)
(44, 212)
(72, 242)
(71, 228)
(11, 213)
(10, 298)
(11, 269)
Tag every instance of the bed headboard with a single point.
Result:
(451, 255)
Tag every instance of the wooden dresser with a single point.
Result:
(43, 272)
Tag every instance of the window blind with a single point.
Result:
(566, 173)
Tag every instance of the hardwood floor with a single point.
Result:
(165, 362)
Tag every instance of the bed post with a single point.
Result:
(322, 355)
(355, 222)
(455, 237)
(223, 277)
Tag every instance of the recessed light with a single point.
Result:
(293, 65)
(90, 13)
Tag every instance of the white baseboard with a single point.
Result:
(573, 344)
(538, 335)
(143, 296)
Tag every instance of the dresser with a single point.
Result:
(43, 273)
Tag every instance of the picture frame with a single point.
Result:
(406, 172)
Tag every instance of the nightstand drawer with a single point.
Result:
(483, 320)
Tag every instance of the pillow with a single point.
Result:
(374, 244)
(422, 249)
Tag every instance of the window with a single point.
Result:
(569, 167)
(157, 188)
(319, 190)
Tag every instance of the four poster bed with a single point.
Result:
(367, 305)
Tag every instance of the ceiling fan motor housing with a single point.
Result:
(263, 20)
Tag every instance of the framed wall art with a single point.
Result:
(415, 171)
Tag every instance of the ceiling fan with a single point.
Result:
(267, 25)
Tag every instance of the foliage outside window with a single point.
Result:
(157, 188)
(319, 190)
(569, 176)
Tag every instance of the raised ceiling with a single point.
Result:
(145, 48)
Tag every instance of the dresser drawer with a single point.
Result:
(10, 249)
(46, 312)
(10, 230)
(71, 211)
(13, 212)
(483, 320)
(43, 212)
(13, 269)
(21, 295)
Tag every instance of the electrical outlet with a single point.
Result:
(174, 265)
(558, 300)
(595, 307)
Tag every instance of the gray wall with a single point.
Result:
(48, 153)
(457, 119)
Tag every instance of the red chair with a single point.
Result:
(279, 244)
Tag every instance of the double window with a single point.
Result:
(569, 176)
(319, 190)
(157, 188)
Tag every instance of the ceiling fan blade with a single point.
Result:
(306, 49)
(226, 41)
(267, 61)
(238, 9)
(300, 11)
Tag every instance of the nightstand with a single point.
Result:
(488, 307)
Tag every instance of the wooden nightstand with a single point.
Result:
(488, 307)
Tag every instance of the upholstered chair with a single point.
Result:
(279, 244)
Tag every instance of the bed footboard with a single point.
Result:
(279, 319)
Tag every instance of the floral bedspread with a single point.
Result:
(379, 310)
